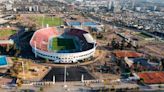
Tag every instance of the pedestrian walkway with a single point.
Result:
(4, 42)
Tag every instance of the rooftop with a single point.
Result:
(3, 61)
(4, 81)
(152, 77)
(130, 54)
(42, 36)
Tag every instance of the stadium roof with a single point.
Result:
(89, 38)
(48, 31)
(42, 36)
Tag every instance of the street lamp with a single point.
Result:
(35, 49)
(23, 70)
(65, 76)
(53, 79)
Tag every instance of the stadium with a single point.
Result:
(70, 46)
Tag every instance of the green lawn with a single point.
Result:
(144, 35)
(52, 21)
(62, 44)
(7, 33)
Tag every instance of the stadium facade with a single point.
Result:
(70, 46)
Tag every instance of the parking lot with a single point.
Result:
(73, 74)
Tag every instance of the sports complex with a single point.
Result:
(70, 46)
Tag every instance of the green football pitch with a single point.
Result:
(4, 33)
(51, 21)
(62, 44)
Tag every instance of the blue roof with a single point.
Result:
(75, 23)
(3, 60)
(89, 24)
(141, 61)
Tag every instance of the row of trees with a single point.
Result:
(121, 45)
(10, 49)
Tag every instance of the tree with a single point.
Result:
(113, 43)
(136, 47)
(41, 89)
(162, 63)
(141, 81)
(19, 82)
(113, 88)
(118, 71)
(108, 44)
(117, 45)
(122, 46)
(47, 60)
(99, 36)
(159, 86)
(154, 59)
(129, 45)
(14, 46)
(33, 27)
(17, 52)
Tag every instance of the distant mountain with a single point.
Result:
(70, 0)
(155, 1)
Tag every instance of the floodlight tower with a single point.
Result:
(65, 76)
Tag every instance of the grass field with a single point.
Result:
(6, 33)
(52, 21)
(144, 35)
(62, 44)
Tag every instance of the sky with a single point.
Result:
(157, 1)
